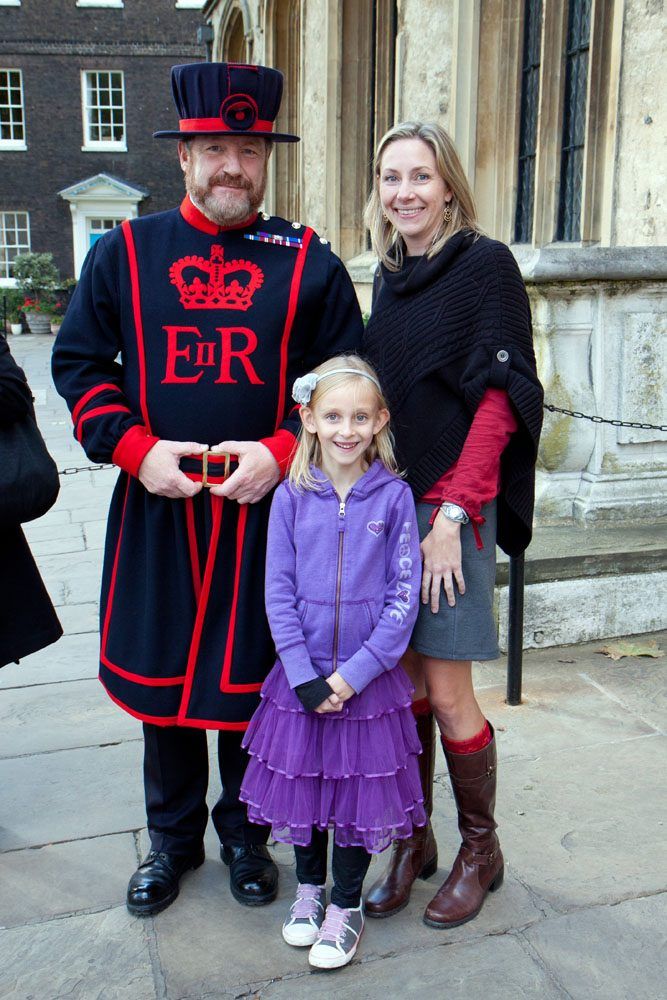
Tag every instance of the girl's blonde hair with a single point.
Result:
(387, 242)
(309, 452)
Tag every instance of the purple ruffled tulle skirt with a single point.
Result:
(354, 771)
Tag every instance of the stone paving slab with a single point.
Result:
(59, 879)
(100, 956)
(496, 968)
(639, 684)
(73, 657)
(73, 581)
(71, 794)
(609, 952)
(570, 822)
(73, 715)
(559, 711)
(219, 929)
(77, 618)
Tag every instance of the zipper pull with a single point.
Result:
(341, 509)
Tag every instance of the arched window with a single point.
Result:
(285, 55)
(235, 49)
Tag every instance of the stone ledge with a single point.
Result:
(572, 552)
(561, 262)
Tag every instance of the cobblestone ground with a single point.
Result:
(581, 811)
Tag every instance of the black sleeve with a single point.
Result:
(313, 693)
(15, 396)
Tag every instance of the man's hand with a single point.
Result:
(160, 473)
(258, 471)
(340, 686)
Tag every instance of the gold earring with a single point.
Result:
(447, 213)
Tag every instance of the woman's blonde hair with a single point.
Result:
(387, 242)
(309, 452)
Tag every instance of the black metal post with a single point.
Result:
(4, 316)
(515, 631)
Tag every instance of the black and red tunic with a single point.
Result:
(182, 331)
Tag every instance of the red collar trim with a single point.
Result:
(196, 218)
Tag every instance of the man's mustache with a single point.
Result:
(227, 180)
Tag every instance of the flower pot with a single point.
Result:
(55, 326)
(38, 322)
(16, 328)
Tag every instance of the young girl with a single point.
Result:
(333, 743)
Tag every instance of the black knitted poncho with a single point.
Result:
(441, 332)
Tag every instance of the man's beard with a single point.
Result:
(226, 208)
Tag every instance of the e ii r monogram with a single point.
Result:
(215, 284)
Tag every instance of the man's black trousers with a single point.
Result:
(175, 784)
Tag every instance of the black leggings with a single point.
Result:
(349, 867)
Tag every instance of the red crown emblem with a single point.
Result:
(216, 291)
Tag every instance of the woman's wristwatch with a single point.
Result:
(453, 512)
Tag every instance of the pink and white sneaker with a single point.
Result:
(306, 915)
(338, 938)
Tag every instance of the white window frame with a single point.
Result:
(189, 4)
(15, 144)
(6, 281)
(101, 145)
(100, 3)
(10, 3)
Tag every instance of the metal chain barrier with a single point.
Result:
(636, 424)
(72, 469)
(605, 420)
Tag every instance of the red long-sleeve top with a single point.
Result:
(474, 479)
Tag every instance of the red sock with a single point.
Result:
(475, 743)
(421, 707)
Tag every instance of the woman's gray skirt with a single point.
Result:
(467, 631)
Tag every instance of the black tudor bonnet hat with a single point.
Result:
(226, 99)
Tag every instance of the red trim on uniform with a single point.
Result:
(132, 449)
(289, 320)
(139, 678)
(225, 685)
(87, 396)
(138, 322)
(218, 125)
(97, 412)
(282, 446)
(156, 720)
(192, 545)
(184, 720)
(112, 582)
(202, 604)
(196, 218)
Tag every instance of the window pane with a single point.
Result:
(574, 121)
(530, 83)
(104, 111)
(11, 106)
(14, 239)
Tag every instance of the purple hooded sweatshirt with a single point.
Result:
(343, 579)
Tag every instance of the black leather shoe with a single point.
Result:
(154, 885)
(253, 874)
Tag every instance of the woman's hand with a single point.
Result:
(340, 687)
(441, 556)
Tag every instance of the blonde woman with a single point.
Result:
(450, 336)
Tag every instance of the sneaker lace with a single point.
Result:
(306, 903)
(333, 927)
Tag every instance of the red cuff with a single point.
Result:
(132, 448)
(282, 445)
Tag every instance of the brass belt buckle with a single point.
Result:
(204, 467)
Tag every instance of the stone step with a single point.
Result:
(583, 584)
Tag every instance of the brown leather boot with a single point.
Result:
(479, 865)
(417, 856)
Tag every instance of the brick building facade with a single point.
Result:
(83, 84)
